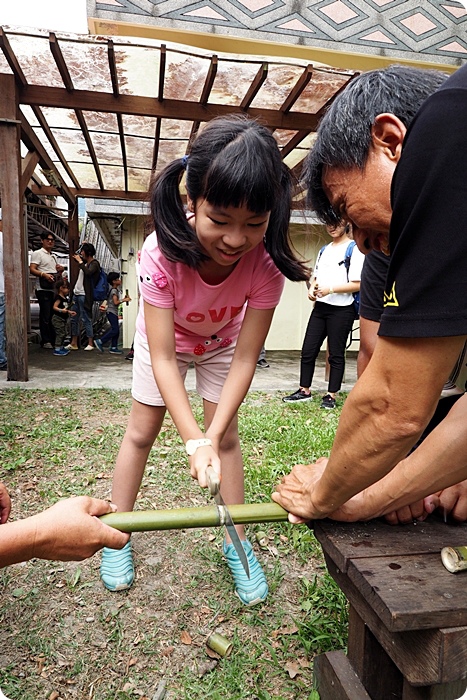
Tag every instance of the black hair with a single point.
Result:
(46, 234)
(233, 161)
(112, 276)
(88, 249)
(61, 282)
(344, 133)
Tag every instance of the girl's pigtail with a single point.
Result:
(277, 240)
(176, 238)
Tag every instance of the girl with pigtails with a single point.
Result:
(210, 279)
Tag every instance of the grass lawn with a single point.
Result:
(65, 637)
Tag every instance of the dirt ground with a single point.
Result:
(64, 636)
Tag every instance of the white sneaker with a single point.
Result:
(46, 346)
(89, 347)
(68, 347)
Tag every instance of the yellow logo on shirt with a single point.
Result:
(391, 299)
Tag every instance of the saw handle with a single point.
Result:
(214, 481)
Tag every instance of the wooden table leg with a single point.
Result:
(378, 673)
(445, 691)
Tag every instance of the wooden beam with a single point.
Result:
(112, 67)
(157, 138)
(162, 64)
(297, 90)
(11, 58)
(60, 61)
(32, 143)
(209, 82)
(294, 141)
(116, 92)
(255, 87)
(90, 145)
(45, 96)
(48, 132)
(14, 236)
(28, 166)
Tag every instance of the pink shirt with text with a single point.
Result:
(206, 316)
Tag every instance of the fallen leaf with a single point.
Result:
(168, 651)
(292, 669)
(185, 637)
(54, 695)
(211, 653)
(207, 667)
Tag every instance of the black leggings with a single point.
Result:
(335, 324)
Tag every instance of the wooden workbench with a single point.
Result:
(408, 614)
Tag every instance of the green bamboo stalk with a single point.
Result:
(205, 516)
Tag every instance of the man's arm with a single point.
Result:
(68, 531)
(382, 418)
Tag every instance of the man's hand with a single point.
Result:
(5, 504)
(451, 501)
(295, 492)
(71, 531)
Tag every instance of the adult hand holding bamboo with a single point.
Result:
(68, 531)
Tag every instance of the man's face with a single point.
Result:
(48, 243)
(362, 198)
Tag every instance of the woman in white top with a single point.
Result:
(333, 314)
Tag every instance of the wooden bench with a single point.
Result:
(408, 614)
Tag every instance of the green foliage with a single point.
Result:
(63, 632)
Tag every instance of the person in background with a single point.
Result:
(3, 362)
(83, 295)
(44, 266)
(113, 302)
(332, 316)
(70, 530)
(61, 314)
(262, 362)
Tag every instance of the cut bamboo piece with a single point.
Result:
(205, 516)
(454, 558)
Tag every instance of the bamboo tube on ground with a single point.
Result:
(454, 558)
(205, 516)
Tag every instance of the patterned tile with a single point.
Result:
(419, 24)
(400, 27)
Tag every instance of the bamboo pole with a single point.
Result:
(205, 516)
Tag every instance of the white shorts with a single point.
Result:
(211, 369)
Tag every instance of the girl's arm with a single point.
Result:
(253, 333)
(56, 306)
(161, 338)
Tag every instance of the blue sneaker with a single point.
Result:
(98, 344)
(61, 352)
(115, 351)
(117, 570)
(251, 590)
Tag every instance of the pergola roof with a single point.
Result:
(104, 114)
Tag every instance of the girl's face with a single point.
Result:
(227, 233)
(116, 283)
(64, 291)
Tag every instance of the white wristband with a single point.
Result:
(192, 445)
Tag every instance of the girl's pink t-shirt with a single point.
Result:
(206, 316)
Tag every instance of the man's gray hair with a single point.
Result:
(344, 133)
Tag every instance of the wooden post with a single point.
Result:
(73, 241)
(14, 235)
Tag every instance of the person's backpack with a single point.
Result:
(101, 288)
(346, 263)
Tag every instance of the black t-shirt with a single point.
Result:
(62, 304)
(426, 286)
(374, 273)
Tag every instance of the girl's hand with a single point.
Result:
(203, 458)
(71, 313)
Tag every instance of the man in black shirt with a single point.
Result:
(403, 190)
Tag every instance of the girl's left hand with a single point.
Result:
(322, 292)
(203, 458)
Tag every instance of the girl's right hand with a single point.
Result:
(203, 458)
